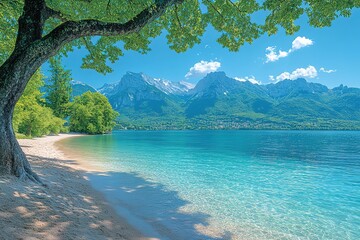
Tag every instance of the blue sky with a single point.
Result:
(330, 56)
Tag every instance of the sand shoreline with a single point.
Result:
(70, 208)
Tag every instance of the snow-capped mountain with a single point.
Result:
(165, 86)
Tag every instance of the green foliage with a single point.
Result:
(9, 13)
(59, 90)
(92, 113)
(21, 136)
(233, 21)
(185, 22)
(31, 117)
(185, 25)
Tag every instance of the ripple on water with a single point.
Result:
(252, 184)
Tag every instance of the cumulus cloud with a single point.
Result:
(203, 68)
(301, 42)
(309, 72)
(272, 55)
(251, 79)
(327, 70)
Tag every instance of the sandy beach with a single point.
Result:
(69, 208)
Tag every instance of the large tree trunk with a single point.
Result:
(28, 55)
(12, 158)
(14, 75)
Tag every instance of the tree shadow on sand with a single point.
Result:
(67, 209)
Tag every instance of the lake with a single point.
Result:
(230, 184)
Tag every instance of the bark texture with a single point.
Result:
(12, 158)
(14, 75)
(32, 49)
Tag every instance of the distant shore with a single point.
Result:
(68, 209)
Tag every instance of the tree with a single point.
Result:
(59, 89)
(92, 113)
(31, 117)
(32, 31)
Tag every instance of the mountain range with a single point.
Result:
(220, 102)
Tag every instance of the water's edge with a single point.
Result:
(230, 184)
(106, 182)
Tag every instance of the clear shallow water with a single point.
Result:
(232, 184)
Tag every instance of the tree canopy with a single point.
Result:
(135, 23)
(92, 113)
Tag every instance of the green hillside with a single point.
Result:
(220, 102)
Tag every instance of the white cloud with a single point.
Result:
(251, 79)
(327, 71)
(309, 72)
(301, 42)
(203, 68)
(272, 55)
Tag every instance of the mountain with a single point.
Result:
(165, 86)
(142, 99)
(168, 87)
(291, 88)
(79, 88)
(221, 95)
(218, 101)
(134, 91)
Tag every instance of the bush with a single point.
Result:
(31, 117)
(92, 113)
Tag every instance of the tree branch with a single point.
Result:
(88, 46)
(108, 5)
(71, 30)
(177, 16)
(31, 23)
(236, 7)
(216, 10)
(42, 49)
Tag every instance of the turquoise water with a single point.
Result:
(231, 184)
